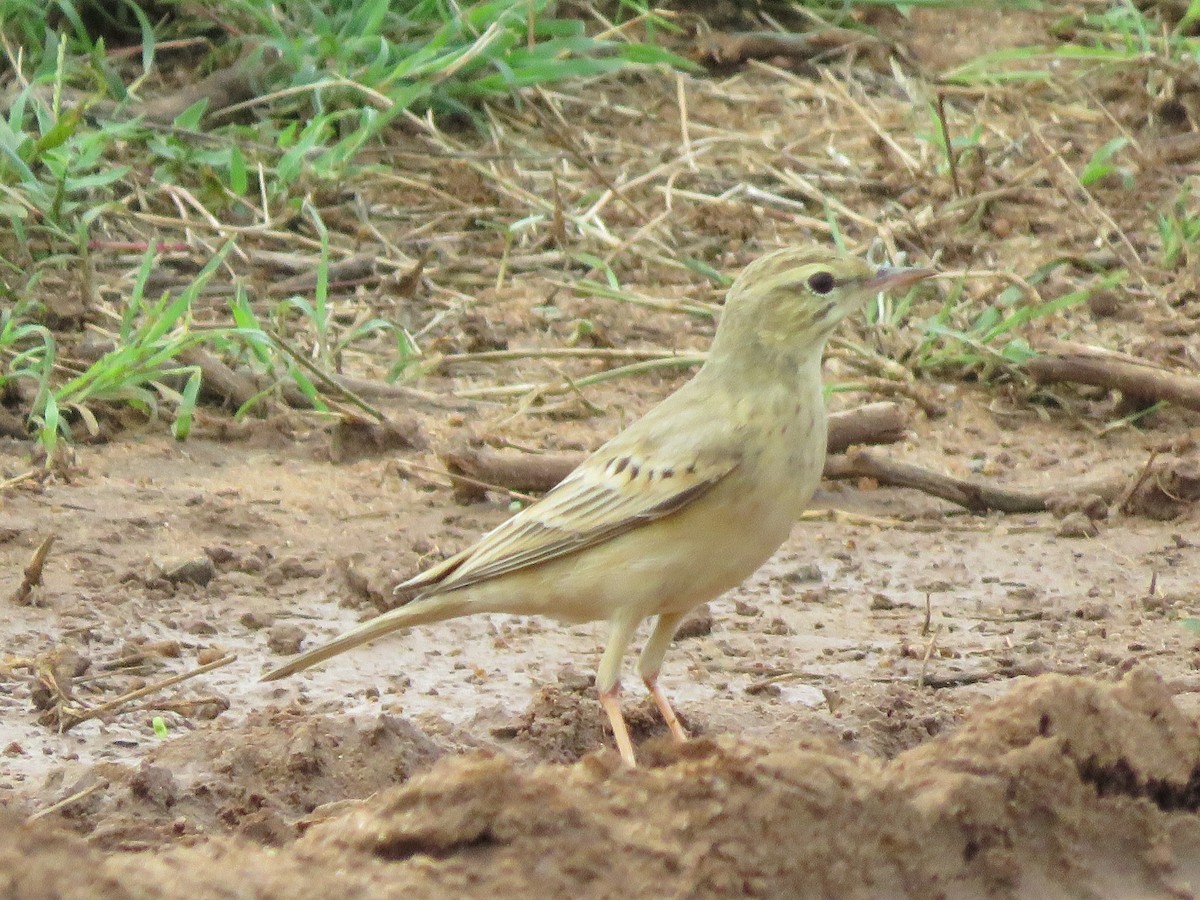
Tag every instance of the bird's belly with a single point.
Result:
(666, 566)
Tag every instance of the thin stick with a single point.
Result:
(339, 389)
(568, 143)
(69, 719)
(458, 480)
(975, 495)
(1135, 483)
(17, 479)
(951, 157)
(67, 801)
(931, 406)
(548, 389)
(474, 470)
(925, 659)
(33, 572)
(560, 353)
(1135, 260)
(685, 138)
(840, 89)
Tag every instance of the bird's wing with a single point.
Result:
(609, 494)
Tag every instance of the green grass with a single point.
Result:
(137, 371)
(963, 341)
(990, 340)
(331, 76)
(1103, 163)
(1179, 232)
(332, 81)
(1119, 35)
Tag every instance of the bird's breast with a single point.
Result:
(789, 451)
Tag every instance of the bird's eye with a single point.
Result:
(821, 283)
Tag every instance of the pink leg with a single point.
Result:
(664, 707)
(651, 662)
(608, 682)
(608, 699)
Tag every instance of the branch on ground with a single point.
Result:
(1133, 377)
(875, 423)
(1161, 489)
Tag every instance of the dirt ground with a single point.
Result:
(906, 701)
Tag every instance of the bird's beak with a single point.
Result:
(888, 277)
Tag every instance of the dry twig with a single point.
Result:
(33, 572)
(1084, 364)
(50, 810)
(67, 717)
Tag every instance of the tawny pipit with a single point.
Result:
(684, 503)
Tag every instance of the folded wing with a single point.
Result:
(606, 496)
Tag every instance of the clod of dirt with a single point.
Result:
(140, 650)
(285, 638)
(154, 784)
(355, 439)
(749, 610)
(37, 862)
(291, 567)
(256, 620)
(366, 579)
(1106, 304)
(210, 655)
(1091, 505)
(1067, 787)
(479, 333)
(56, 671)
(1172, 491)
(697, 623)
(891, 724)
(881, 603)
(574, 680)
(1077, 525)
(199, 570)
(220, 554)
(12, 426)
(564, 725)
(778, 626)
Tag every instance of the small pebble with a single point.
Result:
(1077, 525)
(698, 623)
(256, 620)
(285, 638)
(209, 655)
(199, 570)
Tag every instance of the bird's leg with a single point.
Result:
(608, 682)
(650, 663)
(612, 706)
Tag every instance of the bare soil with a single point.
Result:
(906, 701)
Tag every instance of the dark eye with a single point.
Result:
(821, 283)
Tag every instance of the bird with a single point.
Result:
(683, 504)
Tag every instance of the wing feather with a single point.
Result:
(608, 495)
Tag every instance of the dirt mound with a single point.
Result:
(1065, 787)
(255, 779)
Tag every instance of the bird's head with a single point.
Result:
(785, 305)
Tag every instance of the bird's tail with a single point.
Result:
(419, 612)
